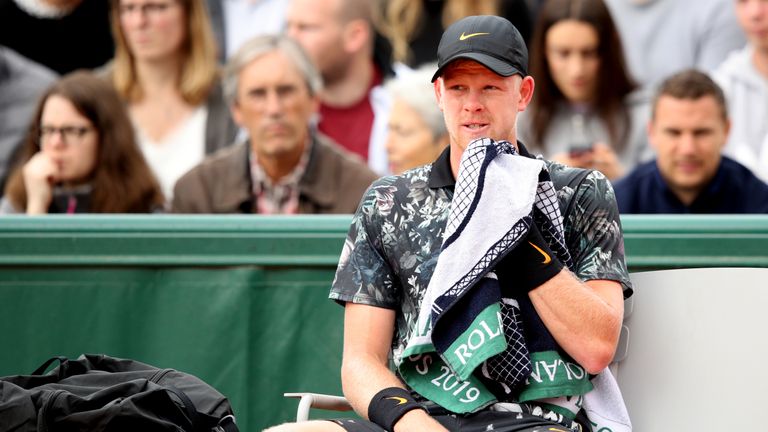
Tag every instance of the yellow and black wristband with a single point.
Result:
(389, 405)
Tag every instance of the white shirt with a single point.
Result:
(661, 37)
(244, 19)
(178, 152)
(747, 92)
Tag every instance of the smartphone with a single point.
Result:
(579, 149)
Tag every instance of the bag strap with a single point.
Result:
(201, 421)
(189, 407)
(43, 367)
(227, 424)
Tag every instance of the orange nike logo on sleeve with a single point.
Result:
(547, 258)
(399, 400)
(467, 36)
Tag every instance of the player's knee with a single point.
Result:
(308, 426)
(285, 427)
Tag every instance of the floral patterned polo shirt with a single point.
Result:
(394, 240)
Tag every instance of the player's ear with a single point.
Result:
(526, 92)
(439, 89)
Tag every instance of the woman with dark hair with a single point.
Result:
(586, 110)
(80, 155)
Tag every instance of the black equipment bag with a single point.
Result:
(102, 393)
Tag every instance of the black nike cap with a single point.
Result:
(490, 40)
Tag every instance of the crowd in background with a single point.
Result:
(295, 106)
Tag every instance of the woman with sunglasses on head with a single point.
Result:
(80, 156)
(165, 70)
(586, 112)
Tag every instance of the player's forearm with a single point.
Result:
(362, 377)
(584, 318)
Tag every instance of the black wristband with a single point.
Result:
(389, 405)
(532, 262)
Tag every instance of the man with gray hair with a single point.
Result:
(284, 166)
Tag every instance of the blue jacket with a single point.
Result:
(734, 189)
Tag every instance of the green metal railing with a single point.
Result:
(651, 241)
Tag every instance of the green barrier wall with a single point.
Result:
(240, 301)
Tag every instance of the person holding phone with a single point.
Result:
(80, 155)
(586, 112)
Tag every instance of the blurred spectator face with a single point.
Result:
(688, 136)
(69, 139)
(319, 30)
(154, 29)
(753, 18)
(410, 142)
(274, 104)
(572, 55)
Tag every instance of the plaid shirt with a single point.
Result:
(282, 196)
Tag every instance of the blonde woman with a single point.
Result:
(165, 69)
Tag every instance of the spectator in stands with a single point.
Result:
(63, 35)
(285, 166)
(662, 37)
(586, 111)
(80, 155)
(417, 133)
(744, 79)
(341, 39)
(688, 128)
(22, 81)
(165, 69)
(235, 21)
(415, 26)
